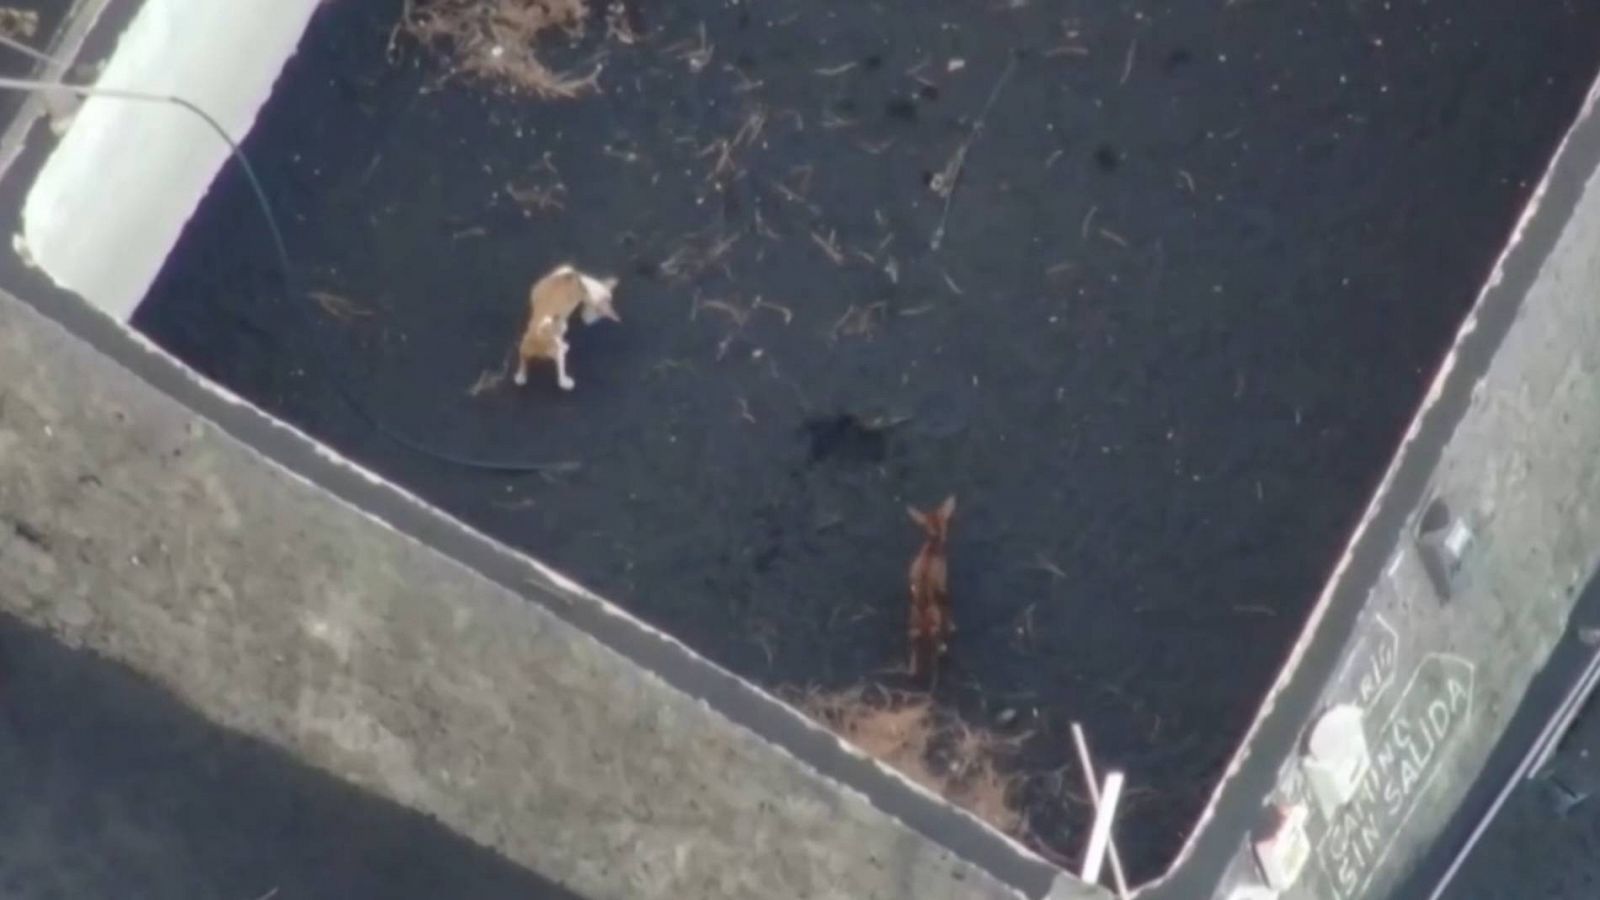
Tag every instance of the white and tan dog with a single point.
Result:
(551, 302)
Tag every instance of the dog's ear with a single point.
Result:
(917, 516)
(610, 283)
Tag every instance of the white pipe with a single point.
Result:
(1100, 836)
(111, 200)
(1091, 782)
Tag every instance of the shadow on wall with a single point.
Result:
(112, 788)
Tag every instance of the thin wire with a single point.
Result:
(25, 50)
(966, 146)
(281, 250)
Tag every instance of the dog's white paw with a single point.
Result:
(520, 379)
(567, 384)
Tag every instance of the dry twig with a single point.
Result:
(695, 55)
(339, 307)
(496, 41)
(830, 247)
(859, 321)
(739, 316)
(545, 195)
(947, 756)
(18, 24)
(952, 171)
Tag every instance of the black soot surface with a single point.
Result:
(1196, 267)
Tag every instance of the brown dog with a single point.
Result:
(551, 302)
(931, 624)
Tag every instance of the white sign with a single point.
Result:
(1374, 666)
(1406, 756)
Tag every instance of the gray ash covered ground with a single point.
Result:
(115, 788)
(1199, 266)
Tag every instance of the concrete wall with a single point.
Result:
(115, 789)
(134, 527)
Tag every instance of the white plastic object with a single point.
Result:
(1091, 783)
(1458, 539)
(1336, 756)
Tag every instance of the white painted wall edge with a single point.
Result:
(112, 199)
